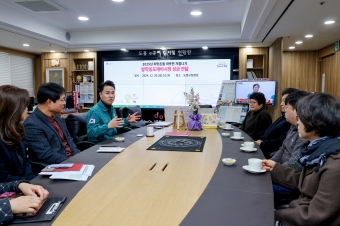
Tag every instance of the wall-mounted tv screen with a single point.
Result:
(158, 83)
(244, 89)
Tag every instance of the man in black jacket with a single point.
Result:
(276, 133)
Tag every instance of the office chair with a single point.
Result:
(205, 106)
(76, 125)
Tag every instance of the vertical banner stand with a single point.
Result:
(177, 117)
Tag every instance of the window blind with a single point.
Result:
(17, 71)
(5, 76)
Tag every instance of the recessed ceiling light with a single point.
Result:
(298, 42)
(196, 13)
(330, 22)
(249, 46)
(291, 47)
(118, 0)
(163, 48)
(204, 47)
(125, 50)
(52, 51)
(25, 44)
(83, 18)
(86, 50)
(309, 36)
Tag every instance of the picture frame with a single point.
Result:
(56, 75)
(55, 63)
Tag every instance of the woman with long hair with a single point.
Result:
(318, 118)
(13, 156)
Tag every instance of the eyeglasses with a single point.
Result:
(297, 118)
(252, 102)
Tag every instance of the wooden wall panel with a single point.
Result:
(329, 66)
(326, 51)
(243, 52)
(275, 74)
(18, 52)
(300, 70)
(46, 62)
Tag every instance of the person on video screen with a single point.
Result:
(256, 88)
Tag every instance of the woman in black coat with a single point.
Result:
(13, 156)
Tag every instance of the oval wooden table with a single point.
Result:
(143, 187)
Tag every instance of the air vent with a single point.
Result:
(40, 6)
(200, 1)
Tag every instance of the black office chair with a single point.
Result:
(124, 113)
(76, 125)
(205, 106)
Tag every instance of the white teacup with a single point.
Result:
(149, 131)
(237, 134)
(254, 164)
(249, 145)
(227, 126)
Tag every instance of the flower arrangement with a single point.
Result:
(192, 99)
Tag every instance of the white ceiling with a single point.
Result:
(151, 24)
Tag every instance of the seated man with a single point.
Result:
(288, 153)
(275, 134)
(256, 88)
(102, 120)
(46, 134)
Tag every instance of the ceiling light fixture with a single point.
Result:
(86, 50)
(25, 44)
(118, 0)
(298, 42)
(205, 47)
(309, 36)
(291, 47)
(83, 18)
(196, 13)
(249, 46)
(52, 51)
(330, 22)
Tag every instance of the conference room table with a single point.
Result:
(146, 187)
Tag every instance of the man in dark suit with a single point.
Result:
(45, 133)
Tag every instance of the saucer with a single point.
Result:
(237, 138)
(248, 150)
(246, 167)
(228, 129)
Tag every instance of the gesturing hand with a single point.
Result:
(134, 117)
(33, 190)
(115, 123)
(268, 164)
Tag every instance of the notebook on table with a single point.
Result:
(47, 212)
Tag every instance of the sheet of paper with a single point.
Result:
(69, 176)
(88, 169)
(85, 170)
(110, 149)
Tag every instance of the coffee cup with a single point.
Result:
(149, 131)
(254, 164)
(237, 134)
(249, 145)
(227, 126)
